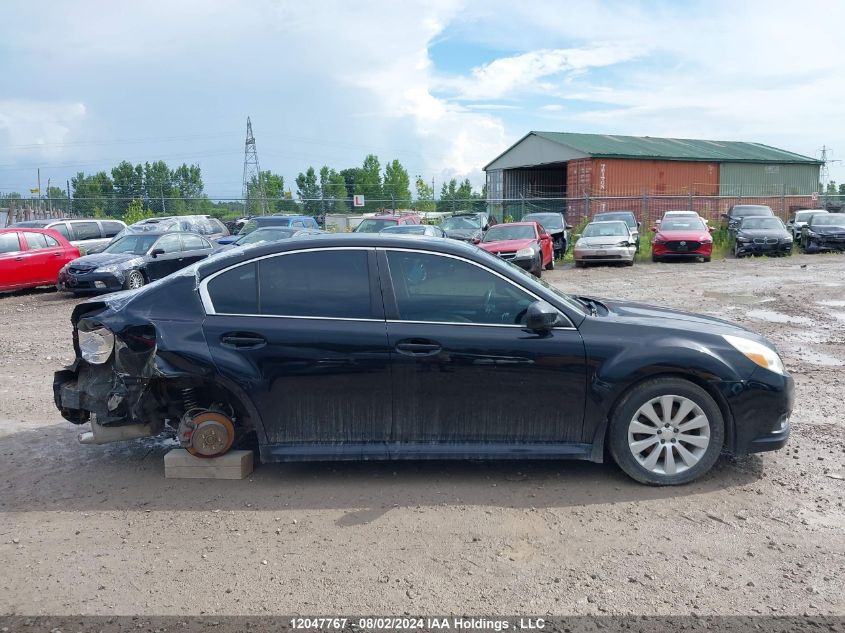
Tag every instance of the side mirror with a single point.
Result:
(654, 228)
(569, 227)
(156, 252)
(639, 224)
(726, 216)
(577, 235)
(541, 316)
(476, 240)
(711, 228)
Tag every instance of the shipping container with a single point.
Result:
(627, 177)
(765, 179)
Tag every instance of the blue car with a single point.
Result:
(263, 221)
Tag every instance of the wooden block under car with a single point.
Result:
(180, 464)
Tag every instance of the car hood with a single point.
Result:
(602, 240)
(463, 234)
(506, 245)
(645, 315)
(227, 239)
(751, 233)
(98, 260)
(690, 236)
(827, 229)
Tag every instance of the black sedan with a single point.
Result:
(465, 227)
(365, 347)
(824, 232)
(268, 234)
(556, 226)
(133, 261)
(762, 236)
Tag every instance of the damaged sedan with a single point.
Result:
(133, 261)
(350, 347)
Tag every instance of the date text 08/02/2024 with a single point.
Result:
(406, 623)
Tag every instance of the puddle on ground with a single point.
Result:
(730, 297)
(777, 317)
(833, 303)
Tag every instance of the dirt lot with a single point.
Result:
(98, 530)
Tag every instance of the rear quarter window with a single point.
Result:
(9, 243)
(235, 291)
(86, 231)
(111, 228)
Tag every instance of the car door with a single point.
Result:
(47, 254)
(86, 234)
(311, 353)
(163, 263)
(12, 273)
(194, 248)
(546, 245)
(464, 369)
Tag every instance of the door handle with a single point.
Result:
(418, 348)
(242, 340)
(18, 259)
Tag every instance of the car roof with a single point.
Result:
(609, 212)
(338, 240)
(530, 223)
(607, 222)
(32, 229)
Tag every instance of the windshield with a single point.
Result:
(747, 211)
(135, 244)
(761, 223)
(606, 229)
(372, 225)
(407, 229)
(265, 235)
(510, 232)
(683, 223)
(829, 219)
(461, 222)
(550, 221)
(626, 217)
(804, 216)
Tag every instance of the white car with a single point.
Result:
(605, 242)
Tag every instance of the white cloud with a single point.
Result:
(41, 125)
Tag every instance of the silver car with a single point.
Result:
(799, 220)
(604, 242)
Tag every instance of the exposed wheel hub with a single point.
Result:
(207, 433)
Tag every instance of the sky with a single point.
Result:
(442, 85)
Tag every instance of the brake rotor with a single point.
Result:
(213, 435)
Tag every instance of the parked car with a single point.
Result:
(268, 234)
(86, 234)
(376, 223)
(627, 217)
(678, 213)
(799, 219)
(207, 226)
(133, 261)
(735, 214)
(32, 257)
(556, 226)
(227, 351)
(465, 226)
(762, 236)
(429, 230)
(824, 232)
(605, 242)
(682, 237)
(264, 221)
(525, 244)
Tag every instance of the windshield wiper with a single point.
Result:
(588, 303)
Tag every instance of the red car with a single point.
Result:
(526, 244)
(682, 236)
(32, 257)
(376, 223)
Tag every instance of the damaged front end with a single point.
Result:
(112, 381)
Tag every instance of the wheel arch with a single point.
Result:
(600, 436)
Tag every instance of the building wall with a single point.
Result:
(541, 182)
(631, 177)
(758, 179)
(579, 178)
(534, 151)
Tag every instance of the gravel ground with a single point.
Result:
(98, 530)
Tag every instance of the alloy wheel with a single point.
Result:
(135, 281)
(669, 434)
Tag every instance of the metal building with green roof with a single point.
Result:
(574, 165)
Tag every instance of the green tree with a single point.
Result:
(830, 190)
(333, 191)
(397, 185)
(157, 186)
(128, 184)
(135, 212)
(57, 199)
(425, 195)
(842, 189)
(187, 184)
(448, 196)
(309, 191)
(368, 183)
(93, 195)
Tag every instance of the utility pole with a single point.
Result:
(252, 170)
(49, 200)
(69, 201)
(39, 190)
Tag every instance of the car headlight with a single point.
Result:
(811, 233)
(96, 345)
(706, 239)
(528, 251)
(623, 243)
(762, 355)
(741, 238)
(109, 269)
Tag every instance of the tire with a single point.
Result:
(551, 264)
(689, 457)
(579, 264)
(705, 259)
(630, 263)
(655, 258)
(736, 253)
(134, 280)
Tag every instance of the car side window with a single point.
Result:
(35, 241)
(86, 230)
(169, 243)
(61, 228)
(110, 228)
(9, 243)
(193, 242)
(434, 288)
(326, 283)
(51, 241)
(235, 291)
(299, 223)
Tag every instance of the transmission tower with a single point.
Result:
(252, 170)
